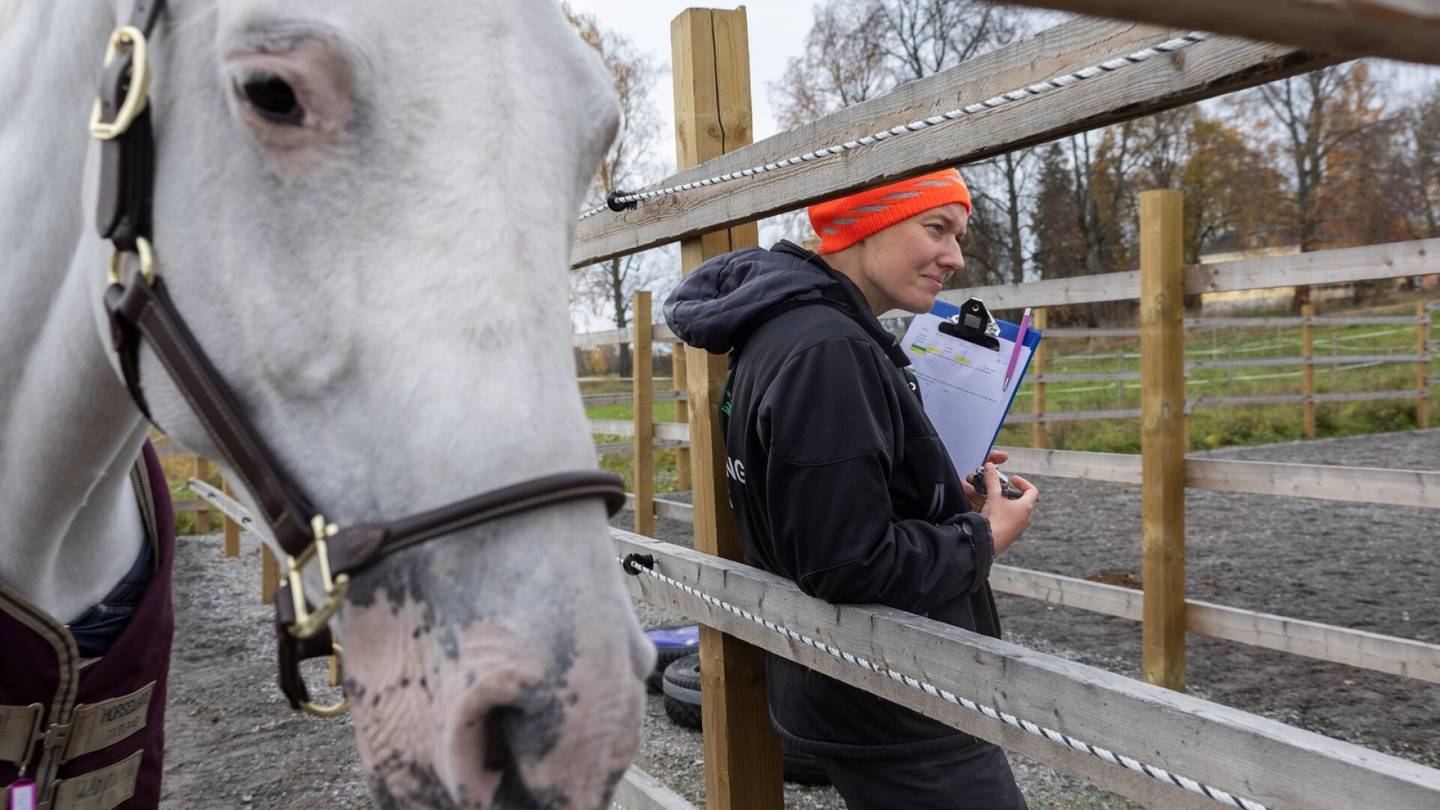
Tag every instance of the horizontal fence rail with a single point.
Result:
(610, 337)
(1369, 263)
(1313, 360)
(1210, 68)
(673, 431)
(1290, 399)
(1237, 323)
(938, 669)
(1341, 645)
(658, 395)
(1354, 484)
(641, 791)
(1395, 29)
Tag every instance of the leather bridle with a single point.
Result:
(142, 310)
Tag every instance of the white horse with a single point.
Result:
(364, 210)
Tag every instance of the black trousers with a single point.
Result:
(977, 777)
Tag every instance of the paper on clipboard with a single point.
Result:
(960, 383)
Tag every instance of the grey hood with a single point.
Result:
(727, 296)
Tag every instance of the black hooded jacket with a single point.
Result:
(837, 478)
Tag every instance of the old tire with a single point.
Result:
(681, 685)
(671, 644)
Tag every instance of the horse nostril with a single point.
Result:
(500, 727)
(504, 727)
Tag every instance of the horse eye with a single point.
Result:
(272, 98)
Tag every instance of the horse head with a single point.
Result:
(365, 211)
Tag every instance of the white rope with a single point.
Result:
(1177, 780)
(1028, 91)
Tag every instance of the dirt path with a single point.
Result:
(234, 743)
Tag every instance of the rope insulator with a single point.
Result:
(613, 200)
(635, 561)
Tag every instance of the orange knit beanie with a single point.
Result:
(842, 222)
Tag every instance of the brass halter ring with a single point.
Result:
(145, 251)
(337, 709)
(137, 95)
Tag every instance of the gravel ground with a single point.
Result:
(232, 741)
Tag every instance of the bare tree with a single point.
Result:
(923, 37)
(843, 63)
(1423, 124)
(998, 249)
(1315, 113)
(607, 287)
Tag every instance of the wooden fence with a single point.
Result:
(1040, 381)
(675, 435)
(236, 518)
(987, 687)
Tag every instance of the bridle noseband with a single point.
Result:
(142, 310)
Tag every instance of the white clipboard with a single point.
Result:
(960, 379)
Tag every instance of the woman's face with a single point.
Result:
(906, 265)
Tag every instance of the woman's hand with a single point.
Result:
(1008, 518)
(977, 501)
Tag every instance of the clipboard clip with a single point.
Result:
(974, 324)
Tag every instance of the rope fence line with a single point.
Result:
(618, 200)
(637, 564)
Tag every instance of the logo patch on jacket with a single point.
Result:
(735, 468)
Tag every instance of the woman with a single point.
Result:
(838, 480)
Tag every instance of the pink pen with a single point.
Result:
(1015, 353)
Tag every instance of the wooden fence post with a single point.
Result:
(711, 68)
(232, 529)
(682, 416)
(1037, 430)
(1334, 360)
(1120, 383)
(1422, 368)
(1307, 371)
(644, 391)
(202, 515)
(269, 575)
(1162, 436)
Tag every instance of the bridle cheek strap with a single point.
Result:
(141, 311)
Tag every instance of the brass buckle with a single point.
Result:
(308, 622)
(137, 95)
(146, 253)
(337, 653)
